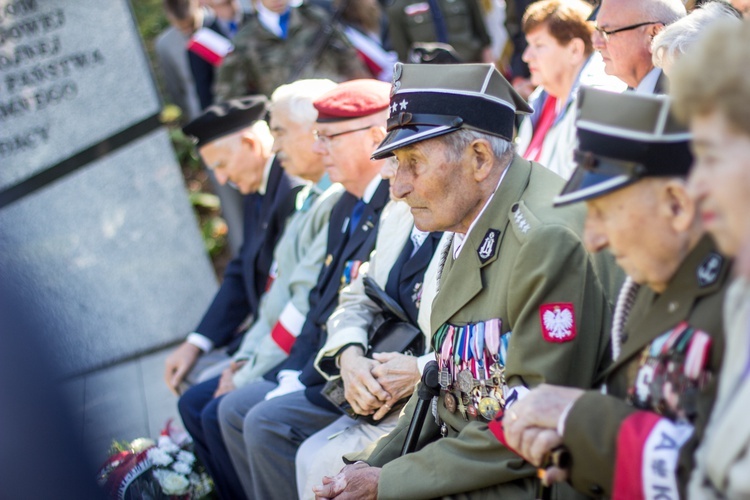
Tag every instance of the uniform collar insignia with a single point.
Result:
(488, 248)
(709, 270)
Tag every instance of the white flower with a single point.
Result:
(187, 457)
(140, 444)
(159, 473)
(195, 479)
(173, 483)
(168, 445)
(159, 457)
(182, 468)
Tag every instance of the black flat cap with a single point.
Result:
(623, 138)
(227, 117)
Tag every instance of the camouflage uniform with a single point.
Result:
(261, 61)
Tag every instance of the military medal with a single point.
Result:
(445, 379)
(472, 411)
(489, 407)
(445, 356)
(465, 381)
(449, 401)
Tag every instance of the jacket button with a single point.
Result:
(514, 207)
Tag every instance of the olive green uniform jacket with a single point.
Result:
(464, 22)
(261, 61)
(595, 420)
(539, 259)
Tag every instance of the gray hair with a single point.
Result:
(458, 141)
(664, 11)
(677, 38)
(297, 98)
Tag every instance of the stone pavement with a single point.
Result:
(122, 402)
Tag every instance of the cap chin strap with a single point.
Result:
(405, 119)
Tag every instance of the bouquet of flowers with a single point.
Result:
(144, 469)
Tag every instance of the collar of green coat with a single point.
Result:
(675, 304)
(461, 279)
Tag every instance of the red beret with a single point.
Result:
(353, 99)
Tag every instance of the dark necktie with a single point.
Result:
(232, 29)
(441, 32)
(359, 207)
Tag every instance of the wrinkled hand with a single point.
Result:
(179, 363)
(530, 425)
(537, 444)
(397, 374)
(226, 382)
(355, 482)
(361, 389)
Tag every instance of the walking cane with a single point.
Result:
(428, 389)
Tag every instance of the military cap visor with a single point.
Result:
(428, 101)
(226, 118)
(623, 138)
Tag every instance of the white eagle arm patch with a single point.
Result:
(558, 322)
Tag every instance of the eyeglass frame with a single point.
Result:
(325, 140)
(606, 34)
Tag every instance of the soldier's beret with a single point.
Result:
(352, 99)
(227, 117)
(623, 138)
(432, 100)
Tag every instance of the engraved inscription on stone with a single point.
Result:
(67, 80)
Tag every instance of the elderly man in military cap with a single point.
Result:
(519, 301)
(637, 439)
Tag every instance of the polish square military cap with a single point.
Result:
(226, 118)
(430, 100)
(623, 138)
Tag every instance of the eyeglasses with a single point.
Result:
(325, 140)
(608, 33)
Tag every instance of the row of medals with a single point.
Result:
(472, 396)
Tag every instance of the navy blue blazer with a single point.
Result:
(246, 275)
(324, 298)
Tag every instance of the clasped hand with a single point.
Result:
(373, 386)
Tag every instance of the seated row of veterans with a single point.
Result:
(511, 284)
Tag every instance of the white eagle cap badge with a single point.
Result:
(558, 322)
